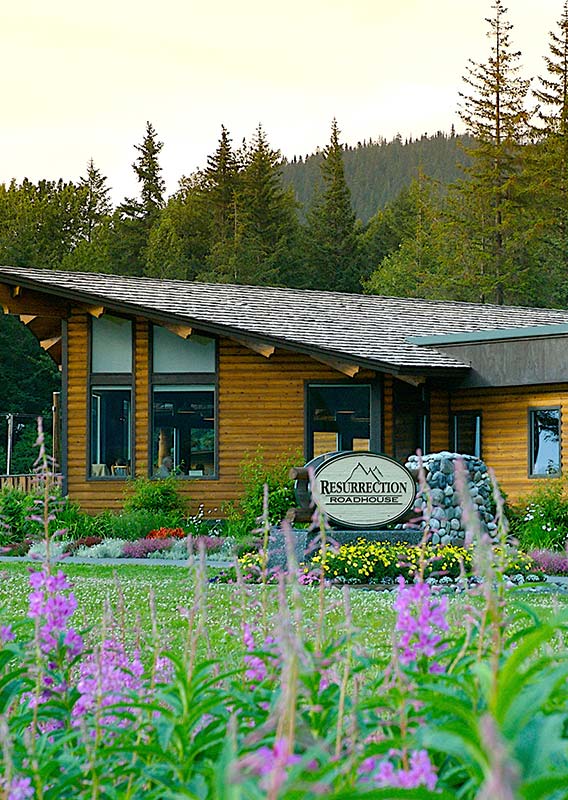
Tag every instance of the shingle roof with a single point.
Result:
(366, 329)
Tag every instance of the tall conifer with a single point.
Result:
(332, 241)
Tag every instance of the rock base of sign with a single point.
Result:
(448, 523)
(305, 542)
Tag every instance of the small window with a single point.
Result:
(172, 354)
(411, 421)
(338, 418)
(183, 435)
(111, 345)
(111, 431)
(544, 442)
(466, 433)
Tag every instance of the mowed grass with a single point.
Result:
(132, 590)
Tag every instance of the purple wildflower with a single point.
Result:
(20, 789)
(6, 634)
(107, 677)
(270, 764)
(419, 615)
(52, 606)
(256, 670)
(382, 771)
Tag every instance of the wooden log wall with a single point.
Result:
(505, 430)
(261, 402)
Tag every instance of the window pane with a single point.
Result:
(110, 432)
(545, 441)
(183, 431)
(339, 418)
(467, 434)
(171, 353)
(111, 344)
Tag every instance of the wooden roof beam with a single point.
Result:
(27, 318)
(30, 303)
(47, 344)
(413, 380)
(263, 349)
(94, 311)
(341, 366)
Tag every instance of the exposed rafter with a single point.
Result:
(413, 380)
(47, 344)
(265, 350)
(341, 366)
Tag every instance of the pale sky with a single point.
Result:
(80, 79)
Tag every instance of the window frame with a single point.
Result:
(455, 415)
(120, 380)
(375, 411)
(530, 449)
(183, 379)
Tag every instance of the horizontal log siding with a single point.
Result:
(261, 402)
(439, 420)
(504, 431)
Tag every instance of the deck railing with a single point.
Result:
(26, 483)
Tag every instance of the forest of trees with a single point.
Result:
(482, 216)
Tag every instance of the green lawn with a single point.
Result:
(129, 588)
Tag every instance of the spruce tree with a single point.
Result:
(495, 116)
(96, 202)
(547, 169)
(220, 181)
(331, 236)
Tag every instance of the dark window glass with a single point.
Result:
(544, 444)
(466, 431)
(183, 434)
(338, 418)
(410, 420)
(111, 417)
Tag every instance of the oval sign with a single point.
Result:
(363, 490)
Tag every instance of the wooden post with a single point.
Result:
(56, 431)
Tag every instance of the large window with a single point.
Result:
(339, 418)
(111, 425)
(466, 433)
(110, 394)
(183, 405)
(544, 442)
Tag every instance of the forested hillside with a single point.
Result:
(388, 218)
(376, 172)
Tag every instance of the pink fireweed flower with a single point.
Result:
(19, 789)
(6, 634)
(256, 670)
(107, 677)
(420, 616)
(383, 773)
(270, 764)
(52, 603)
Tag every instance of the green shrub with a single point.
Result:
(137, 524)
(163, 496)
(244, 514)
(77, 524)
(542, 521)
(16, 508)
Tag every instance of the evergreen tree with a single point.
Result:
(547, 171)
(135, 217)
(262, 248)
(496, 117)
(220, 182)
(331, 236)
(96, 202)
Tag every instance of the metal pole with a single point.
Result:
(10, 419)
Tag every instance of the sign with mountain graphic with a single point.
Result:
(363, 490)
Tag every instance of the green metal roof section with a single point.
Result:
(493, 335)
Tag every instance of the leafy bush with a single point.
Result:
(243, 515)
(543, 517)
(16, 508)
(79, 525)
(134, 525)
(160, 496)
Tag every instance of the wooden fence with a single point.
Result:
(26, 483)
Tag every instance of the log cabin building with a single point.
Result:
(162, 375)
